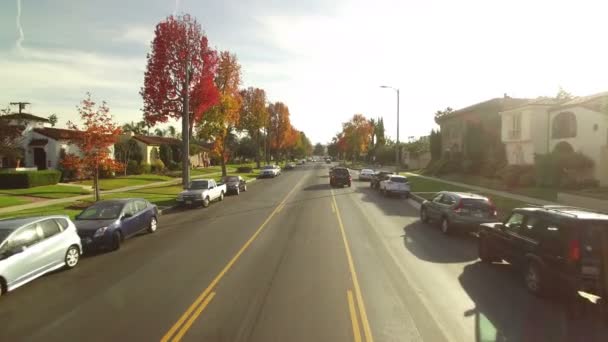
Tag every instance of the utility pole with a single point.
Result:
(186, 131)
(21, 105)
(397, 148)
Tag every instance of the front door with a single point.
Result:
(40, 158)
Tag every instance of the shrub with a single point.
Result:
(166, 154)
(244, 169)
(174, 166)
(132, 167)
(28, 179)
(157, 166)
(144, 168)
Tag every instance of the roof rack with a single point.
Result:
(565, 207)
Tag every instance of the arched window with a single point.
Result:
(564, 126)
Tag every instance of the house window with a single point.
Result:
(564, 126)
(515, 132)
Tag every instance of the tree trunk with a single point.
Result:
(257, 148)
(223, 159)
(96, 182)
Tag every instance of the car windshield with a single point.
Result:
(230, 179)
(268, 167)
(102, 211)
(367, 171)
(398, 180)
(199, 185)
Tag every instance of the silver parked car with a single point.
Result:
(458, 210)
(31, 247)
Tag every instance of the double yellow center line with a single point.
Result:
(179, 329)
(358, 298)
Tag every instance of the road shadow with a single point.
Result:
(317, 187)
(427, 243)
(505, 311)
(391, 206)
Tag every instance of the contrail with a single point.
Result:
(19, 28)
(176, 7)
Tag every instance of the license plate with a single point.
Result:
(590, 270)
(188, 202)
(478, 214)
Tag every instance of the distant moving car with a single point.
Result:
(32, 247)
(558, 248)
(290, 166)
(366, 174)
(327, 161)
(340, 176)
(378, 177)
(234, 184)
(302, 162)
(106, 224)
(395, 185)
(202, 192)
(458, 210)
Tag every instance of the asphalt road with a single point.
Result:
(289, 260)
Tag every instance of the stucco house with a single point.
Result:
(485, 115)
(149, 146)
(543, 125)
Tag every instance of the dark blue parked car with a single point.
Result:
(106, 224)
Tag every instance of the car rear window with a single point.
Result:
(398, 180)
(341, 172)
(475, 203)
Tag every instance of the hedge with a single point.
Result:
(28, 179)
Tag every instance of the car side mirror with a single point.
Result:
(500, 226)
(126, 216)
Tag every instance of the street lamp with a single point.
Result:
(397, 149)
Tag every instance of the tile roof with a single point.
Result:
(502, 104)
(596, 102)
(59, 133)
(156, 140)
(24, 116)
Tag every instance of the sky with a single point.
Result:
(324, 59)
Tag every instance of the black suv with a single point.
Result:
(339, 176)
(378, 177)
(558, 248)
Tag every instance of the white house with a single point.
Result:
(541, 126)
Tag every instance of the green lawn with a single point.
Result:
(427, 188)
(121, 182)
(47, 191)
(10, 200)
(59, 209)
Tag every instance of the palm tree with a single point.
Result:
(159, 132)
(132, 127)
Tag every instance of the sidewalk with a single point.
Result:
(82, 197)
(526, 199)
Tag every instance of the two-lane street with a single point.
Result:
(291, 259)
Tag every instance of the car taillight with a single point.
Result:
(458, 208)
(574, 250)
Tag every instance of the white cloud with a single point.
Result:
(141, 35)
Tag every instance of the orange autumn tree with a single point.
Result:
(357, 134)
(94, 141)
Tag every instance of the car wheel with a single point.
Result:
(153, 225)
(245, 188)
(72, 256)
(424, 216)
(116, 240)
(483, 251)
(445, 226)
(384, 192)
(206, 202)
(349, 185)
(237, 191)
(2, 286)
(534, 279)
(221, 196)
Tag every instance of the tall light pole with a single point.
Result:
(186, 130)
(397, 149)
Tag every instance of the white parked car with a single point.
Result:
(270, 171)
(366, 174)
(395, 184)
(202, 191)
(31, 247)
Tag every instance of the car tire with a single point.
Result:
(445, 226)
(72, 256)
(384, 192)
(3, 289)
(116, 240)
(237, 191)
(153, 225)
(534, 279)
(245, 188)
(424, 216)
(206, 202)
(483, 251)
(221, 198)
(349, 185)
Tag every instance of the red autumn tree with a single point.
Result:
(179, 43)
(94, 141)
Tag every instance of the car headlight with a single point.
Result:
(199, 195)
(99, 232)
